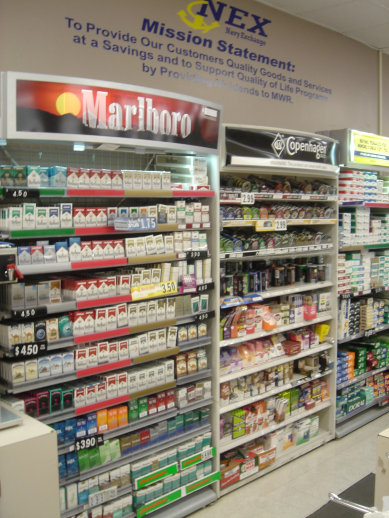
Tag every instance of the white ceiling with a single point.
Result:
(366, 21)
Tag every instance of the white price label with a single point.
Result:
(207, 454)
(247, 198)
(280, 224)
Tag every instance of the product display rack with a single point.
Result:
(362, 198)
(192, 493)
(248, 156)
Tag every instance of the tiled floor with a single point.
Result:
(299, 488)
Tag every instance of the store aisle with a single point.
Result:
(299, 488)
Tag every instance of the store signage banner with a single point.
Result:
(369, 149)
(64, 107)
(272, 144)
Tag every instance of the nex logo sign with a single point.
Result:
(233, 16)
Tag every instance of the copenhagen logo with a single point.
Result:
(196, 21)
(278, 145)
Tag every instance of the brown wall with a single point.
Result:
(35, 37)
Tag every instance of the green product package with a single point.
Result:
(171, 427)
(142, 407)
(133, 411)
(204, 415)
(179, 422)
(94, 457)
(188, 420)
(105, 452)
(83, 460)
(114, 446)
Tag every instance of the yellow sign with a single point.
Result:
(153, 290)
(196, 21)
(369, 149)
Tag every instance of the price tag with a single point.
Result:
(167, 288)
(197, 254)
(20, 194)
(247, 198)
(204, 316)
(87, 443)
(379, 290)
(29, 313)
(25, 351)
(346, 295)
(280, 224)
(202, 456)
(204, 287)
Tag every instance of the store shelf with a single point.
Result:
(137, 455)
(43, 192)
(270, 196)
(116, 493)
(294, 251)
(36, 269)
(352, 294)
(190, 504)
(280, 329)
(367, 333)
(197, 376)
(107, 403)
(291, 454)
(355, 422)
(361, 409)
(178, 496)
(298, 379)
(362, 377)
(229, 444)
(278, 360)
(237, 223)
(122, 430)
(195, 406)
(194, 344)
(251, 164)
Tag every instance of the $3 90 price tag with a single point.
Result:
(86, 443)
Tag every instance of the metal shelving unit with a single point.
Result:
(247, 154)
(161, 154)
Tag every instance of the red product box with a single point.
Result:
(111, 285)
(97, 249)
(90, 394)
(161, 401)
(92, 288)
(113, 351)
(144, 436)
(86, 251)
(152, 406)
(90, 217)
(291, 347)
(79, 214)
(94, 178)
(170, 401)
(108, 248)
(105, 178)
(90, 317)
(79, 397)
(101, 390)
(116, 179)
(101, 216)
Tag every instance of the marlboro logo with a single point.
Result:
(139, 116)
